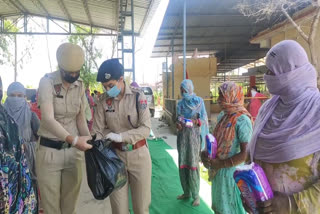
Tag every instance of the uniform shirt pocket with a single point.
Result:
(75, 105)
(59, 105)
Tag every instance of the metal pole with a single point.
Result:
(167, 76)
(15, 58)
(133, 45)
(184, 38)
(1, 25)
(48, 28)
(122, 47)
(25, 23)
(172, 79)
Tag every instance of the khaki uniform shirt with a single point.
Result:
(62, 109)
(121, 117)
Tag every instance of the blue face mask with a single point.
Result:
(186, 96)
(114, 91)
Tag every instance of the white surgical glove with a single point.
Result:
(114, 137)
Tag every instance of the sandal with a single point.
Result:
(196, 202)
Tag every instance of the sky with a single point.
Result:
(148, 70)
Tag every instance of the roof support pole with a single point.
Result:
(48, 25)
(25, 23)
(1, 24)
(184, 38)
(167, 77)
(172, 70)
(133, 41)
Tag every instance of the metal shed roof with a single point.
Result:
(213, 27)
(95, 13)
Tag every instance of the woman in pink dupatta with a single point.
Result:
(255, 102)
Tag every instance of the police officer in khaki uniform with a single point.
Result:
(123, 116)
(63, 133)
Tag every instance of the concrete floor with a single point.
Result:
(88, 205)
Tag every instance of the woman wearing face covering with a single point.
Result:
(63, 133)
(190, 139)
(16, 192)
(27, 122)
(286, 135)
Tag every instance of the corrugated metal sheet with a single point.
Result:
(213, 27)
(103, 13)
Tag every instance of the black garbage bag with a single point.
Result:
(105, 170)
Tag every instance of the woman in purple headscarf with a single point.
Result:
(286, 134)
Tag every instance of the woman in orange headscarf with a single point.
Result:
(233, 132)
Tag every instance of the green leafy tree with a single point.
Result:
(89, 70)
(9, 41)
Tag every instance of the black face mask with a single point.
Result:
(70, 79)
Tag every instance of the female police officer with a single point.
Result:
(63, 133)
(123, 116)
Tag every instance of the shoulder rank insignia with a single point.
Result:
(143, 104)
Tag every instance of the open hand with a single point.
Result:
(205, 160)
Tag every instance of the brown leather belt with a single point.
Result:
(126, 147)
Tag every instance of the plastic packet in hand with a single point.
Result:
(253, 184)
(212, 146)
(188, 123)
(105, 170)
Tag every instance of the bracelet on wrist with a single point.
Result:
(231, 161)
(199, 122)
(75, 141)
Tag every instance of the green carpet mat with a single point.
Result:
(166, 184)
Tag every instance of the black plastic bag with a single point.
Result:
(105, 170)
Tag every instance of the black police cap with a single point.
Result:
(110, 69)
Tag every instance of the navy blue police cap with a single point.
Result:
(110, 69)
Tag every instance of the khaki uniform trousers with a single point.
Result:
(138, 164)
(59, 179)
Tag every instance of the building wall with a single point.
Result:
(200, 72)
(288, 32)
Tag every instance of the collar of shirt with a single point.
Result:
(127, 90)
(58, 80)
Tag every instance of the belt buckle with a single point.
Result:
(126, 147)
(65, 145)
(130, 147)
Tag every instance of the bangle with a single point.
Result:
(290, 205)
(75, 141)
(199, 122)
(231, 161)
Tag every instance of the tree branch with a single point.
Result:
(303, 35)
(89, 51)
(314, 26)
